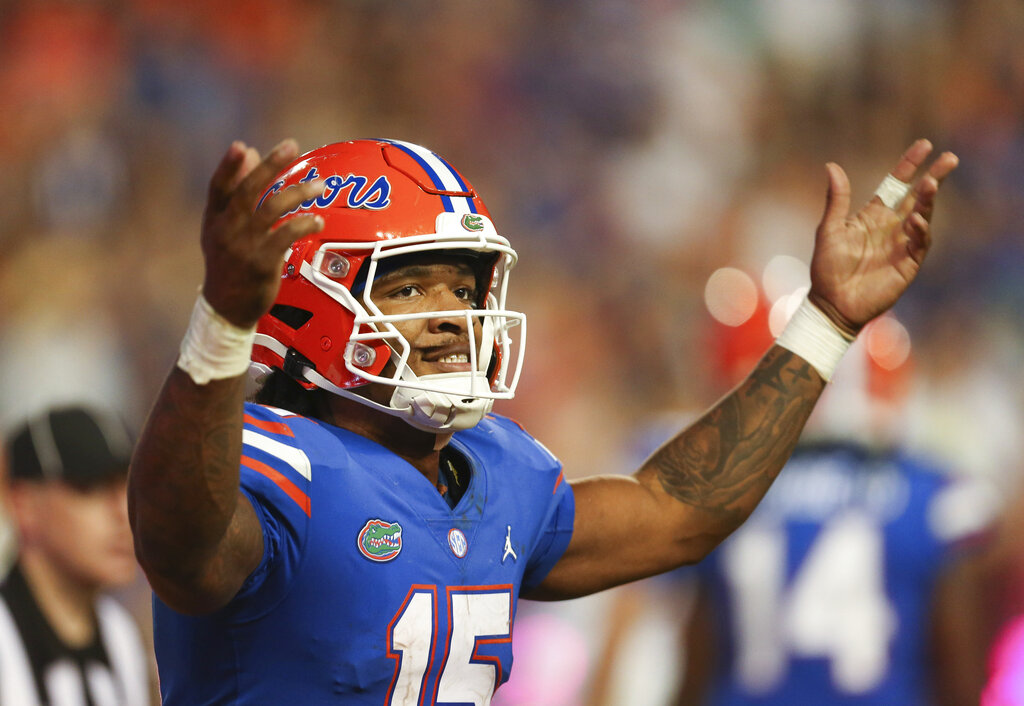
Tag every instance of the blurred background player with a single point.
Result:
(62, 641)
(849, 584)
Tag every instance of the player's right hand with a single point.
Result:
(242, 248)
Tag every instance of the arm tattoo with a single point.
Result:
(725, 462)
(184, 479)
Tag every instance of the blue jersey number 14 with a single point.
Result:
(834, 607)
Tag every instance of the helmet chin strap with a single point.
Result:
(426, 410)
(433, 410)
(451, 405)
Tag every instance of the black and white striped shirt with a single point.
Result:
(38, 669)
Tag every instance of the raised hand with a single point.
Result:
(863, 262)
(242, 248)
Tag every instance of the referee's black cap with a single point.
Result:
(83, 446)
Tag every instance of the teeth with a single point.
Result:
(456, 358)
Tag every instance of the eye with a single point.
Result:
(405, 292)
(467, 294)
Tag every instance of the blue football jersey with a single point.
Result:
(372, 590)
(823, 596)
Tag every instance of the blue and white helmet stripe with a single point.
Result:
(441, 174)
(458, 178)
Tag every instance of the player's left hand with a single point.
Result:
(863, 262)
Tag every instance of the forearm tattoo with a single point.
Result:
(725, 462)
(185, 471)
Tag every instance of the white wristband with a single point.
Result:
(213, 347)
(814, 338)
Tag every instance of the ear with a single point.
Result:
(24, 500)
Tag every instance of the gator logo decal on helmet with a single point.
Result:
(380, 540)
(473, 223)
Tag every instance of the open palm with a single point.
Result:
(863, 262)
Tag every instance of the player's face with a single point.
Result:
(84, 533)
(440, 344)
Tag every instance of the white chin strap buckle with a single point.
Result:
(454, 409)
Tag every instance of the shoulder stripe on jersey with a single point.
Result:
(272, 427)
(558, 481)
(294, 457)
(441, 174)
(514, 421)
(279, 412)
(290, 489)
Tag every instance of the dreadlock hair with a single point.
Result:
(283, 391)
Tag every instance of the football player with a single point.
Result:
(363, 532)
(856, 580)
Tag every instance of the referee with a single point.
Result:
(62, 642)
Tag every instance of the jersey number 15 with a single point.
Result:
(477, 616)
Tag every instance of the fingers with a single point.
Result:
(894, 189)
(943, 166)
(295, 228)
(837, 200)
(928, 186)
(917, 222)
(243, 176)
(287, 200)
(912, 160)
(282, 203)
(227, 174)
(252, 159)
(255, 182)
(924, 198)
(919, 236)
(897, 186)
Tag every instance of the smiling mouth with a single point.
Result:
(449, 362)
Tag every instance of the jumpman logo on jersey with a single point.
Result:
(508, 545)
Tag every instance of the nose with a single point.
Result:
(454, 323)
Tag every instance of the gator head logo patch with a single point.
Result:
(380, 540)
(473, 222)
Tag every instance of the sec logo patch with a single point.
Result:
(457, 541)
